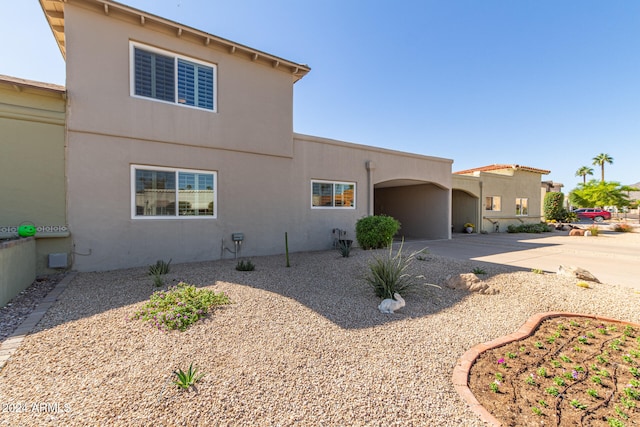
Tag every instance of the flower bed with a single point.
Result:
(570, 371)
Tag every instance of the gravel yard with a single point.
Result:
(301, 346)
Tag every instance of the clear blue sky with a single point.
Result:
(542, 83)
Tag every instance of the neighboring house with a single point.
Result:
(32, 167)
(496, 196)
(179, 141)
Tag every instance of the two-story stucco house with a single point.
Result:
(178, 140)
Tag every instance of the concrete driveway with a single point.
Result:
(613, 258)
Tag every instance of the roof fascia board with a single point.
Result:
(112, 8)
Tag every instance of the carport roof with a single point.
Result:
(496, 167)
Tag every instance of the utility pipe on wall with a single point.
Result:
(370, 193)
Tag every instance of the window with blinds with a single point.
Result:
(172, 78)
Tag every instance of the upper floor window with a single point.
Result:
(329, 194)
(168, 77)
(492, 203)
(159, 192)
(522, 206)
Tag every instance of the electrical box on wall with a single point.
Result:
(58, 260)
(237, 237)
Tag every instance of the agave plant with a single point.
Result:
(187, 379)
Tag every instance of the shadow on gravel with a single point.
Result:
(324, 282)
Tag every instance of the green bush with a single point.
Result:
(529, 228)
(179, 307)
(570, 217)
(377, 231)
(552, 206)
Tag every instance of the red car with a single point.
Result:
(598, 215)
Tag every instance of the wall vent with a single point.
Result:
(58, 260)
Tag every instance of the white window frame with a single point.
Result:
(333, 193)
(132, 75)
(519, 203)
(493, 200)
(135, 167)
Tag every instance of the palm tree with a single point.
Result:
(600, 160)
(583, 172)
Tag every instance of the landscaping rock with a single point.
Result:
(469, 282)
(578, 272)
(577, 232)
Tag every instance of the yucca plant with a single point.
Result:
(389, 273)
(187, 379)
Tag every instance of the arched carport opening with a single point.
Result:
(421, 207)
(464, 208)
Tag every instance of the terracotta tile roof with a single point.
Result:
(502, 167)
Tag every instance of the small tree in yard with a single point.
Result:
(553, 209)
(374, 232)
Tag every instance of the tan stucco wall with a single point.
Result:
(32, 164)
(521, 184)
(254, 100)
(260, 196)
(423, 181)
(18, 267)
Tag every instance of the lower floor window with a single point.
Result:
(492, 203)
(159, 192)
(329, 194)
(522, 206)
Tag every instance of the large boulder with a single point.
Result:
(577, 272)
(469, 282)
(577, 232)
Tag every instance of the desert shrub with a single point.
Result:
(160, 267)
(479, 270)
(529, 228)
(377, 231)
(245, 266)
(552, 206)
(389, 274)
(594, 230)
(179, 307)
(570, 217)
(623, 228)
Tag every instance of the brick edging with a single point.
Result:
(12, 343)
(460, 375)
